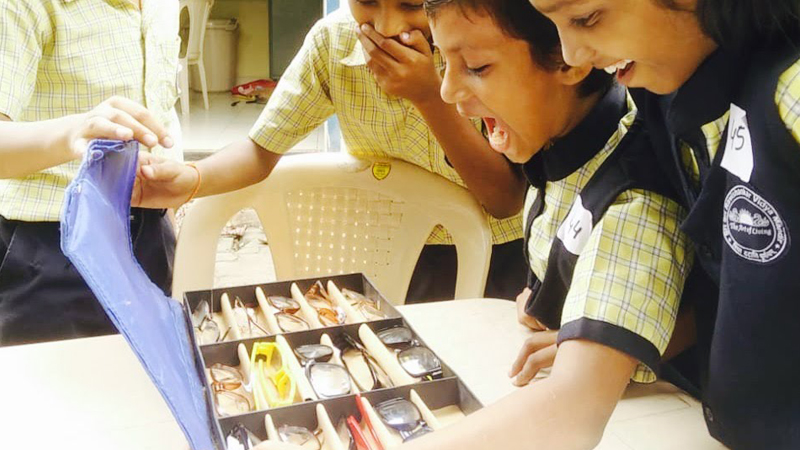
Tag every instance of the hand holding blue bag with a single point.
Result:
(95, 236)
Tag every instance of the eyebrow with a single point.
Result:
(559, 4)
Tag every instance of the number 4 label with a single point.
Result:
(576, 229)
(738, 157)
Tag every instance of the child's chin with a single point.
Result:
(516, 156)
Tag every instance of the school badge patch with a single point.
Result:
(752, 227)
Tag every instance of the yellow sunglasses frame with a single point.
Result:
(282, 379)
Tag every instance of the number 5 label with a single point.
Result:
(738, 157)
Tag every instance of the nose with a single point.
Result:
(389, 23)
(452, 91)
(574, 51)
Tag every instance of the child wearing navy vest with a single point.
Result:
(723, 109)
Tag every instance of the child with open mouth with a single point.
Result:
(607, 259)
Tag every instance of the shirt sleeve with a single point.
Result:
(787, 97)
(628, 281)
(301, 101)
(21, 40)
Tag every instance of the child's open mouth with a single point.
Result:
(498, 134)
(623, 70)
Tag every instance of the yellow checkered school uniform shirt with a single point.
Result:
(329, 76)
(61, 57)
(632, 270)
(787, 97)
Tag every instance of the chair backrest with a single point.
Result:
(330, 213)
(198, 11)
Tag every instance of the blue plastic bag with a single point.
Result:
(95, 236)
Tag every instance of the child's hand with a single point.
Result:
(403, 69)
(117, 118)
(537, 353)
(162, 183)
(523, 317)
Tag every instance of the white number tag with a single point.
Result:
(577, 228)
(738, 157)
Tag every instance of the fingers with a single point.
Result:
(161, 170)
(376, 58)
(542, 359)
(388, 46)
(124, 119)
(532, 345)
(416, 40)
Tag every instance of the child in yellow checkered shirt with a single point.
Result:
(373, 67)
(607, 258)
(70, 72)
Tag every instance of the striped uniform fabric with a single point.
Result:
(329, 76)
(632, 270)
(61, 57)
(787, 97)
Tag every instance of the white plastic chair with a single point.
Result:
(198, 11)
(330, 213)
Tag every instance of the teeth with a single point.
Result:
(497, 137)
(620, 65)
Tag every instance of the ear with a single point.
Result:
(572, 76)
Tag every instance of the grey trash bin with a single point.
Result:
(219, 56)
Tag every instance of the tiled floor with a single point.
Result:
(206, 131)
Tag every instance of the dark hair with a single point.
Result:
(740, 25)
(519, 20)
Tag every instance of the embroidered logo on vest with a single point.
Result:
(576, 228)
(752, 227)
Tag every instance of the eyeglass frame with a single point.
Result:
(421, 427)
(322, 294)
(433, 374)
(289, 312)
(251, 321)
(371, 363)
(277, 378)
(308, 363)
(219, 387)
(207, 318)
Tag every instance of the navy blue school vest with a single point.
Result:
(631, 165)
(745, 222)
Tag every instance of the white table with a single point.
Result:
(92, 393)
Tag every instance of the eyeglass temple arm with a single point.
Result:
(367, 420)
(358, 435)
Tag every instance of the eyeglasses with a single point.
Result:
(359, 362)
(318, 298)
(301, 436)
(287, 318)
(327, 379)
(224, 381)
(243, 437)
(206, 328)
(274, 385)
(418, 361)
(246, 321)
(403, 416)
(371, 309)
